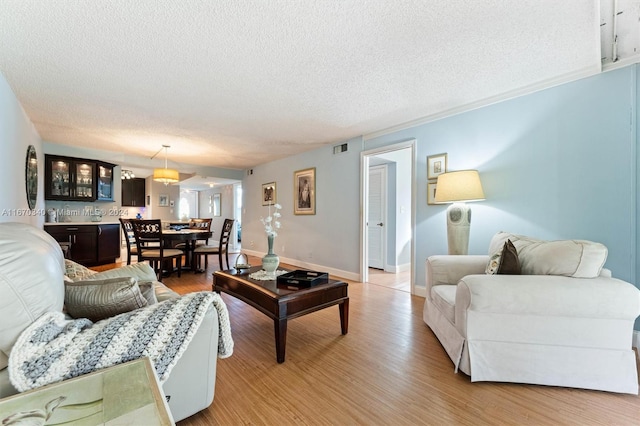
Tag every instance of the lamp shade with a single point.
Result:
(166, 175)
(460, 186)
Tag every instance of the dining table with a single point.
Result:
(189, 237)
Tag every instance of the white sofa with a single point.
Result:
(558, 330)
(32, 271)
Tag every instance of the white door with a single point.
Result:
(376, 220)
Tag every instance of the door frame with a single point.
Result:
(364, 205)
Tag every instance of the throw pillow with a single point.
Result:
(509, 262)
(505, 261)
(570, 258)
(148, 292)
(494, 263)
(140, 271)
(74, 271)
(99, 299)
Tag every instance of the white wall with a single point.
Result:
(155, 211)
(16, 134)
(328, 239)
(226, 207)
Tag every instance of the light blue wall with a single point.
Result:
(559, 163)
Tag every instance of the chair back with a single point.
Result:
(225, 235)
(148, 234)
(129, 237)
(127, 230)
(203, 224)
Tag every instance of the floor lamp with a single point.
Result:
(459, 188)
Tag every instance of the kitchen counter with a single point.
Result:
(89, 243)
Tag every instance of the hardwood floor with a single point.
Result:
(389, 369)
(399, 281)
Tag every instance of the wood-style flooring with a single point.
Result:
(388, 370)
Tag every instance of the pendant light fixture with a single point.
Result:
(127, 174)
(165, 175)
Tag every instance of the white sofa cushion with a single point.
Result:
(444, 298)
(29, 285)
(570, 258)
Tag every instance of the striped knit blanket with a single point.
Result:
(54, 348)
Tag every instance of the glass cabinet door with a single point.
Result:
(84, 180)
(60, 178)
(105, 183)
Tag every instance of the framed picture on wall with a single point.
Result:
(269, 196)
(216, 205)
(431, 193)
(436, 165)
(163, 200)
(304, 191)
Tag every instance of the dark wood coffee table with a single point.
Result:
(283, 303)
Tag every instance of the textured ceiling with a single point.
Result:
(235, 84)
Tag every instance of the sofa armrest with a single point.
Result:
(163, 292)
(545, 296)
(449, 269)
(191, 385)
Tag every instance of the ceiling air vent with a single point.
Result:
(340, 148)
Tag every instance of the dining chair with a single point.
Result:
(200, 224)
(129, 238)
(151, 247)
(220, 249)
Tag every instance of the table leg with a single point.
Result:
(192, 257)
(280, 328)
(344, 316)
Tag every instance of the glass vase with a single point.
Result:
(271, 260)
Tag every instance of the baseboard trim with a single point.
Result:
(394, 269)
(636, 339)
(312, 266)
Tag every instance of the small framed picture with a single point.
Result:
(304, 191)
(269, 194)
(436, 165)
(216, 205)
(431, 193)
(163, 200)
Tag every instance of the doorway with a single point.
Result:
(237, 215)
(188, 204)
(388, 217)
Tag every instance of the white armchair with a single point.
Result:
(540, 329)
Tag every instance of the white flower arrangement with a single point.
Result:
(272, 222)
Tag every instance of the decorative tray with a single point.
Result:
(302, 279)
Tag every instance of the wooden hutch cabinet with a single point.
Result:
(133, 192)
(77, 179)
